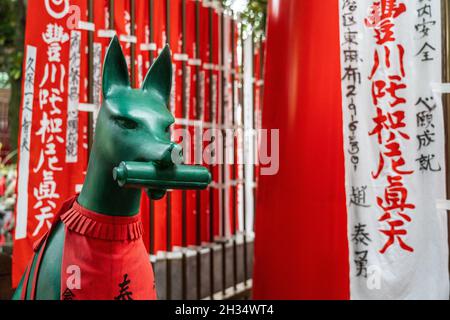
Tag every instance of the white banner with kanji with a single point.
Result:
(394, 149)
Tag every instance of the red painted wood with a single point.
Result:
(301, 226)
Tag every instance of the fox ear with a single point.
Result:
(159, 77)
(115, 70)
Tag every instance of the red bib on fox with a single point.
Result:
(104, 258)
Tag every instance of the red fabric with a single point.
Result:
(76, 172)
(41, 206)
(109, 253)
(301, 249)
(144, 210)
(122, 24)
(101, 20)
(111, 257)
(99, 226)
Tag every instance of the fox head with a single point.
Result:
(133, 124)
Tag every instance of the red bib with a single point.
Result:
(104, 258)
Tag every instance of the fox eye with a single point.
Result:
(126, 123)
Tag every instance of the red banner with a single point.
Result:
(52, 156)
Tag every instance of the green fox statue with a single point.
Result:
(94, 249)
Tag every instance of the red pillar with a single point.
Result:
(301, 249)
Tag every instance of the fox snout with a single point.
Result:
(173, 155)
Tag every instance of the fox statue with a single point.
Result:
(94, 249)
